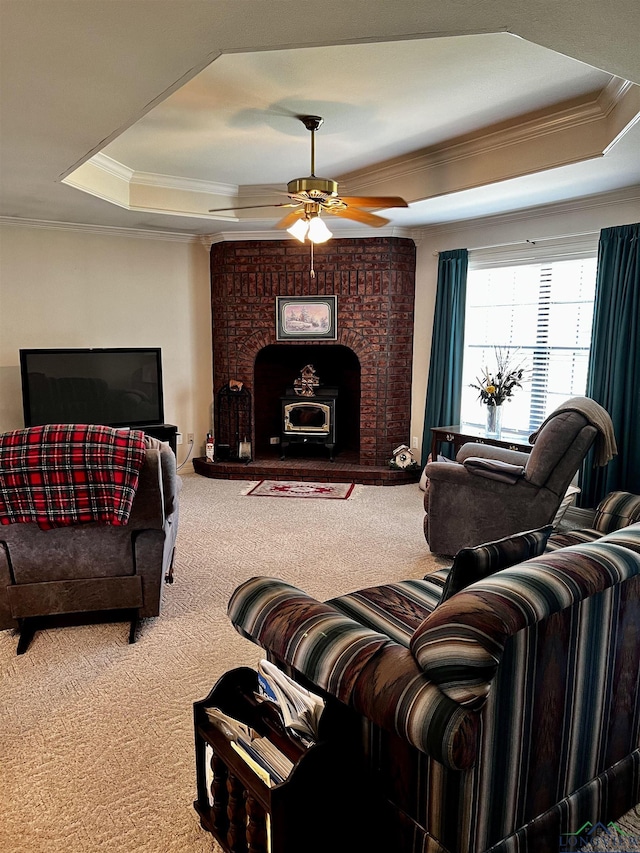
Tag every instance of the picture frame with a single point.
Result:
(306, 318)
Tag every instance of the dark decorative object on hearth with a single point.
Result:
(307, 382)
(233, 420)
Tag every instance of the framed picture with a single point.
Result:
(306, 318)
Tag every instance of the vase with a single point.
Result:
(494, 421)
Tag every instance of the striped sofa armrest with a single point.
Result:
(326, 646)
(394, 693)
(460, 645)
(363, 668)
(617, 510)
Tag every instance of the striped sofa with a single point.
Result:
(617, 510)
(502, 718)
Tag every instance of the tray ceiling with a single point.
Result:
(461, 125)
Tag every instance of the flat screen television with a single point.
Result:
(115, 386)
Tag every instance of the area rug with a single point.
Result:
(286, 489)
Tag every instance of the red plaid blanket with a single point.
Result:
(61, 474)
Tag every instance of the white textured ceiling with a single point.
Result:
(208, 93)
(235, 122)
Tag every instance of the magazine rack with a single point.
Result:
(319, 807)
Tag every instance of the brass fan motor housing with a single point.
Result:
(313, 186)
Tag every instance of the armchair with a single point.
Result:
(491, 492)
(78, 568)
(493, 717)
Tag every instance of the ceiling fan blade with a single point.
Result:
(381, 202)
(290, 218)
(360, 216)
(253, 207)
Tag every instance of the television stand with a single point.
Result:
(163, 432)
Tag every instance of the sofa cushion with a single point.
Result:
(617, 510)
(395, 609)
(475, 564)
(565, 538)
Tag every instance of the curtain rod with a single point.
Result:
(526, 242)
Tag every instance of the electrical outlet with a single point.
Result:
(414, 441)
(190, 437)
(178, 438)
(275, 439)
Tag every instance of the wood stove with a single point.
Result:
(309, 420)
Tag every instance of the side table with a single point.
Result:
(461, 434)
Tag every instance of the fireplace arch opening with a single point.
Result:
(276, 368)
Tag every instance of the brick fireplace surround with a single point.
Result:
(374, 281)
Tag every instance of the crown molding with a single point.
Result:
(613, 93)
(564, 117)
(582, 127)
(112, 167)
(601, 200)
(151, 179)
(169, 182)
(108, 230)
(417, 234)
(345, 233)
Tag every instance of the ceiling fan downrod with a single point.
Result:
(312, 123)
(311, 185)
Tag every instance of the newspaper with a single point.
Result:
(301, 710)
(270, 764)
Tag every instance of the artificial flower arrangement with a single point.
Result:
(497, 387)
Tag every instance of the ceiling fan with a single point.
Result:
(311, 196)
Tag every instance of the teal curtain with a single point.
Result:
(613, 379)
(444, 387)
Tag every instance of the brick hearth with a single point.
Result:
(343, 470)
(373, 279)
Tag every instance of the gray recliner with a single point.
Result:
(491, 492)
(94, 567)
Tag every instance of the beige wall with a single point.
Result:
(571, 220)
(75, 288)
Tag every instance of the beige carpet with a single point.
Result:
(96, 737)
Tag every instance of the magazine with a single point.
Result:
(267, 761)
(300, 709)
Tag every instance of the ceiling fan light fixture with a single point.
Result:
(318, 231)
(299, 229)
(311, 228)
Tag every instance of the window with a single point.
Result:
(543, 310)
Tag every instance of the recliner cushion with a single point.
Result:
(475, 564)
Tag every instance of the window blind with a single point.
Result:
(542, 312)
